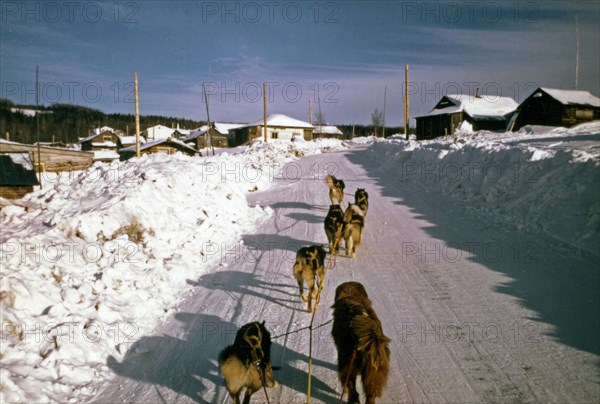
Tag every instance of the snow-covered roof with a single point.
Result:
(327, 130)
(94, 134)
(130, 140)
(483, 106)
(575, 97)
(159, 132)
(151, 143)
(282, 120)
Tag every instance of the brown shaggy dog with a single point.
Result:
(247, 363)
(310, 262)
(336, 189)
(362, 347)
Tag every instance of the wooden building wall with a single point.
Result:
(15, 192)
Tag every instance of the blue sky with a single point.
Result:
(343, 52)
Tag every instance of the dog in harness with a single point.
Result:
(310, 262)
(354, 221)
(363, 349)
(247, 363)
(361, 199)
(334, 221)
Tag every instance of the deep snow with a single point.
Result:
(98, 261)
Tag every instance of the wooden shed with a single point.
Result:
(17, 175)
(198, 138)
(168, 146)
(327, 131)
(553, 107)
(105, 140)
(52, 158)
(486, 112)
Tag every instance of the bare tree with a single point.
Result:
(376, 120)
(320, 119)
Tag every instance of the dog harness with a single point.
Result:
(255, 343)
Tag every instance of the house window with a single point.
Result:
(107, 138)
(166, 150)
(275, 135)
(587, 114)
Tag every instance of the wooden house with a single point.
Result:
(327, 131)
(198, 138)
(168, 146)
(552, 107)
(17, 175)
(51, 158)
(279, 126)
(105, 140)
(482, 112)
(158, 132)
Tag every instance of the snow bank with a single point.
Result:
(543, 180)
(110, 251)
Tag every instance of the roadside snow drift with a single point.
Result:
(541, 180)
(94, 260)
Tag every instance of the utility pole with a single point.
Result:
(384, 102)
(208, 138)
(310, 117)
(37, 122)
(406, 102)
(137, 115)
(577, 52)
(265, 110)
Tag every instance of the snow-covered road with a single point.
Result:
(476, 313)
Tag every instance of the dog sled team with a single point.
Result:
(357, 331)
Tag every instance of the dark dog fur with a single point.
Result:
(357, 327)
(241, 368)
(354, 222)
(361, 199)
(336, 189)
(334, 222)
(310, 262)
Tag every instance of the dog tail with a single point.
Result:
(373, 346)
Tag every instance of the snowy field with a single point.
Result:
(141, 271)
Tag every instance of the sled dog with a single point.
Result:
(247, 363)
(354, 221)
(310, 262)
(336, 189)
(361, 199)
(334, 222)
(361, 344)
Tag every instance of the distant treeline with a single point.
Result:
(67, 123)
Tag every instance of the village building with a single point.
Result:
(51, 158)
(168, 146)
(105, 140)
(279, 126)
(553, 107)
(17, 175)
(157, 132)
(327, 131)
(198, 138)
(219, 135)
(486, 112)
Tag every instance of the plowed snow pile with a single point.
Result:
(104, 254)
